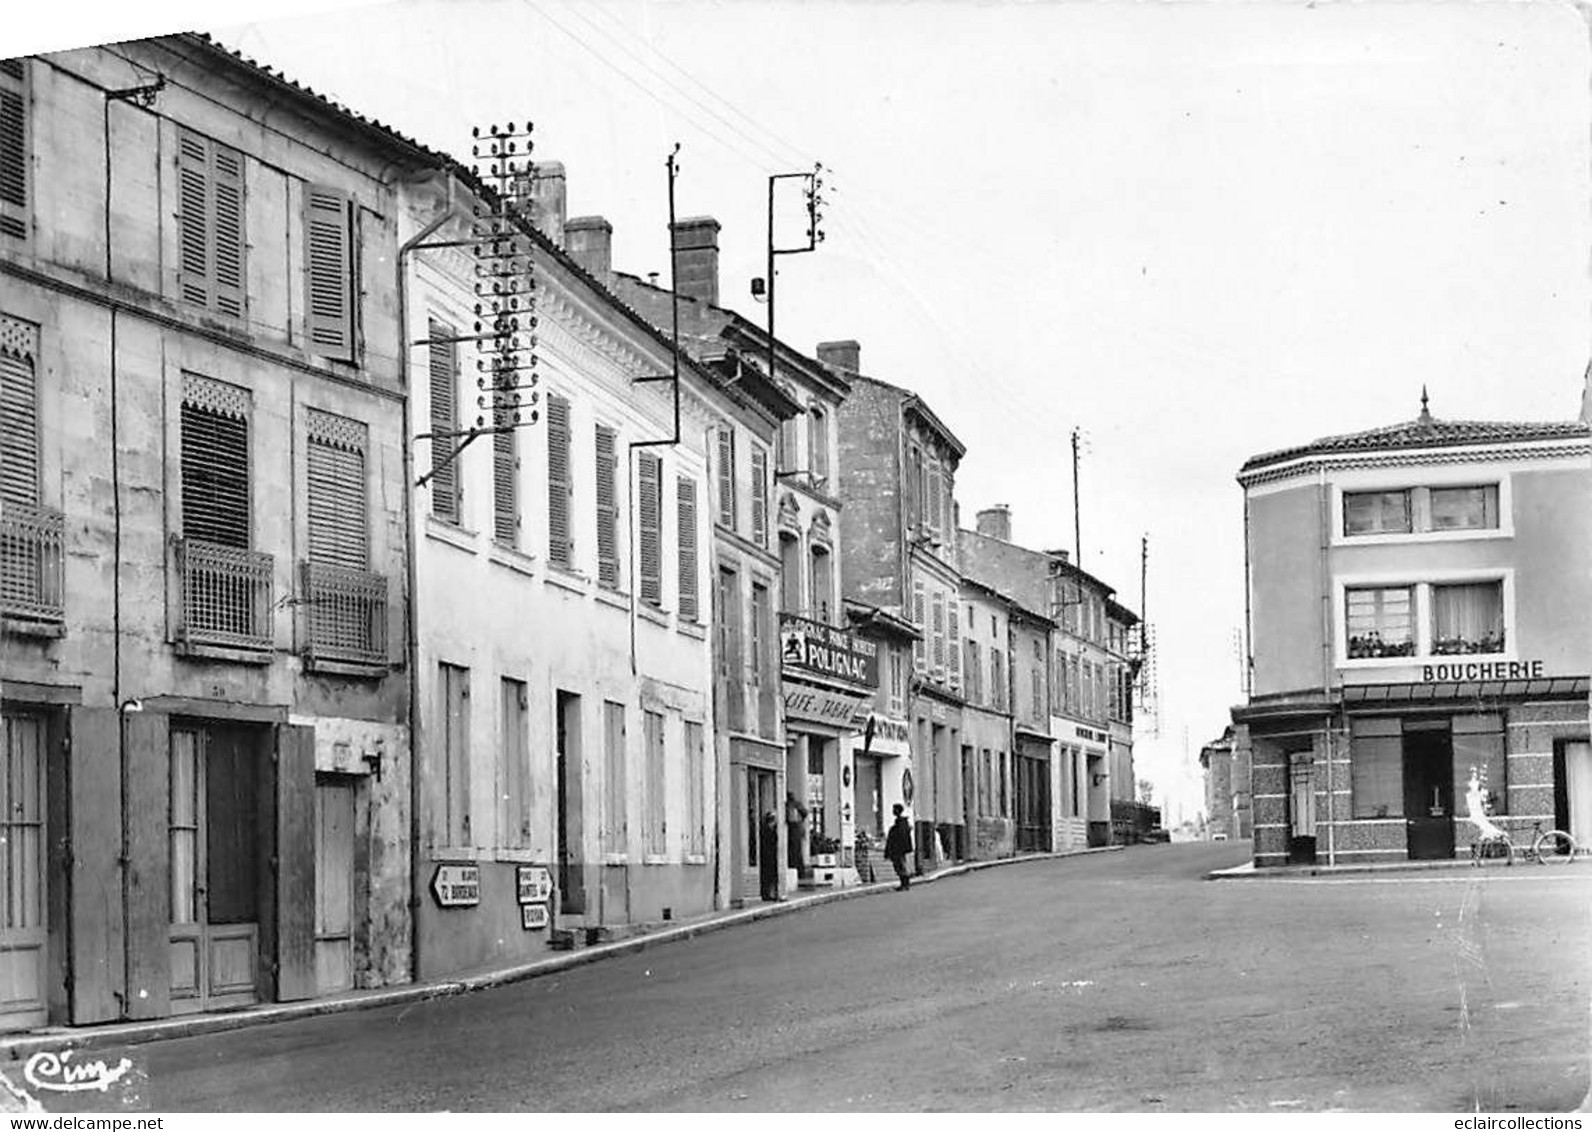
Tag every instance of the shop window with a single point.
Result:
(1464, 508)
(1468, 619)
(1376, 768)
(1379, 622)
(1376, 512)
(1479, 750)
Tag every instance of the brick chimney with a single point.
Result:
(845, 355)
(996, 522)
(547, 200)
(696, 242)
(590, 243)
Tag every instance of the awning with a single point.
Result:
(1392, 695)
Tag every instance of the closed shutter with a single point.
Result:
(919, 647)
(932, 519)
(13, 150)
(329, 256)
(505, 479)
(954, 649)
(607, 509)
(19, 412)
(339, 524)
(210, 223)
(445, 500)
(760, 497)
(560, 541)
(686, 541)
(215, 462)
(650, 482)
(939, 635)
(726, 473)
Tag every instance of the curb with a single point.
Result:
(1248, 871)
(136, 1033)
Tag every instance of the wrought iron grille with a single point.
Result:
(226, 595)
(32, 563)
(347, 613)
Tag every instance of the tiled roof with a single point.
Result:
(1426, 431)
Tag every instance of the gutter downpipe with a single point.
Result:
(411, 640)
(1326, 657)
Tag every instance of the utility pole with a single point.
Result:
(1077, 536)
(815, 236)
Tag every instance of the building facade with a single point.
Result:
(1225, 764)
(203, 537)
(1419, 616)
(985, 640)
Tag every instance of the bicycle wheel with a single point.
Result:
(1554, 847)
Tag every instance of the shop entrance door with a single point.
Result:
(1575, 788)
(762, 797)
(1301, 808)
(1429, 792)
(870, 799)
(334, 883)
(215, 867)
(22, 844)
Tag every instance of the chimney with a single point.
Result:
(547, 199)
(590, 243)
(996, 522)
(696, 268)
(845, 356)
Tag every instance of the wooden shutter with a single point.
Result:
(686, 541)
(338, 509)
(505, 479)
(210, 223)
(560, 538)
(650, 483)
(13, 150)
(329, 260)
(19, 412)
(939, 635)
(444, 368)
(147, 863)
(759, 497)
(96, 941)
(954, 648)
(726, 473)
(932, 519)
(215, 462)
(294, 860)
(919, 646)
(607, 509)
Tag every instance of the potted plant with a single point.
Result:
(823, 851)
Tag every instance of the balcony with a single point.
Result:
(346, 615)
(32, 565)
(226, 596)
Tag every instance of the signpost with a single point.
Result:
(457, 886)
(533, 887)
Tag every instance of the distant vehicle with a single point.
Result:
(1219, 835)
(1157, 836)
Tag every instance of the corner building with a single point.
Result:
(1419, 613)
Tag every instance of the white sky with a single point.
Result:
(1197, 231)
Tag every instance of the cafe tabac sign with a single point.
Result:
(807, 647)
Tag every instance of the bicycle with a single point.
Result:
(1548, 847)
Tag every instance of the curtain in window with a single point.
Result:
(1467, 618)
(1376, 768)
(1464, 508)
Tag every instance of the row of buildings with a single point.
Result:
(365, 621)
(1420, 616)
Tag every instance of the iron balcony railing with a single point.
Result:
(347, 615)
(226, 595)
(32, 563)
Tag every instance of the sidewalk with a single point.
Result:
(1248, 871)
(59, 1038)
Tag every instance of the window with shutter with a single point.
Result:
(954, 648)
(560, 535)
(338, 522)
(818, 443)
(215, 462)
(919, 648)
(607, 508)
(505, 479)
(975, 674)
(329, 272)
(686, 541)
(210, 224)
(931, 512)
(13, 150)
(446, 497)
(653, 786)
(19, 412)
(939, 635)
(726, 477)
(760, 497)
(650, 520)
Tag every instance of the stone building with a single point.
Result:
(1225, 763)
(1419, 614)
(203, 538)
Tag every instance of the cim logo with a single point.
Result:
(57, 1073)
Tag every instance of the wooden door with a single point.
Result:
(334, 884)
(1429, 793)
(1301, 808)
(215, 868)
(1577, 793)
(23, 925)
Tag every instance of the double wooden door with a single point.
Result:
(23, 927)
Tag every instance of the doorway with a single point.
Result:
(1429, 790)
(23, 928)
(334, 883)
(1301, 808)
(1572, 794)
(215, 867)
(571, 882)
(762, 797)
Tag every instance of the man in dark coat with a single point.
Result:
(768, 856)
(898, 845)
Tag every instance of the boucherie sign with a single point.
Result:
(823, 650)
(1481, 670)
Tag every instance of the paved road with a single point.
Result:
(1112, 982)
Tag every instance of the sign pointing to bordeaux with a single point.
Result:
(456, 886)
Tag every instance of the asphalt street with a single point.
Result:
(1118, 981)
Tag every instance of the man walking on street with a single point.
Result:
(898, 846)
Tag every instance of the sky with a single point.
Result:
(1192, 231)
